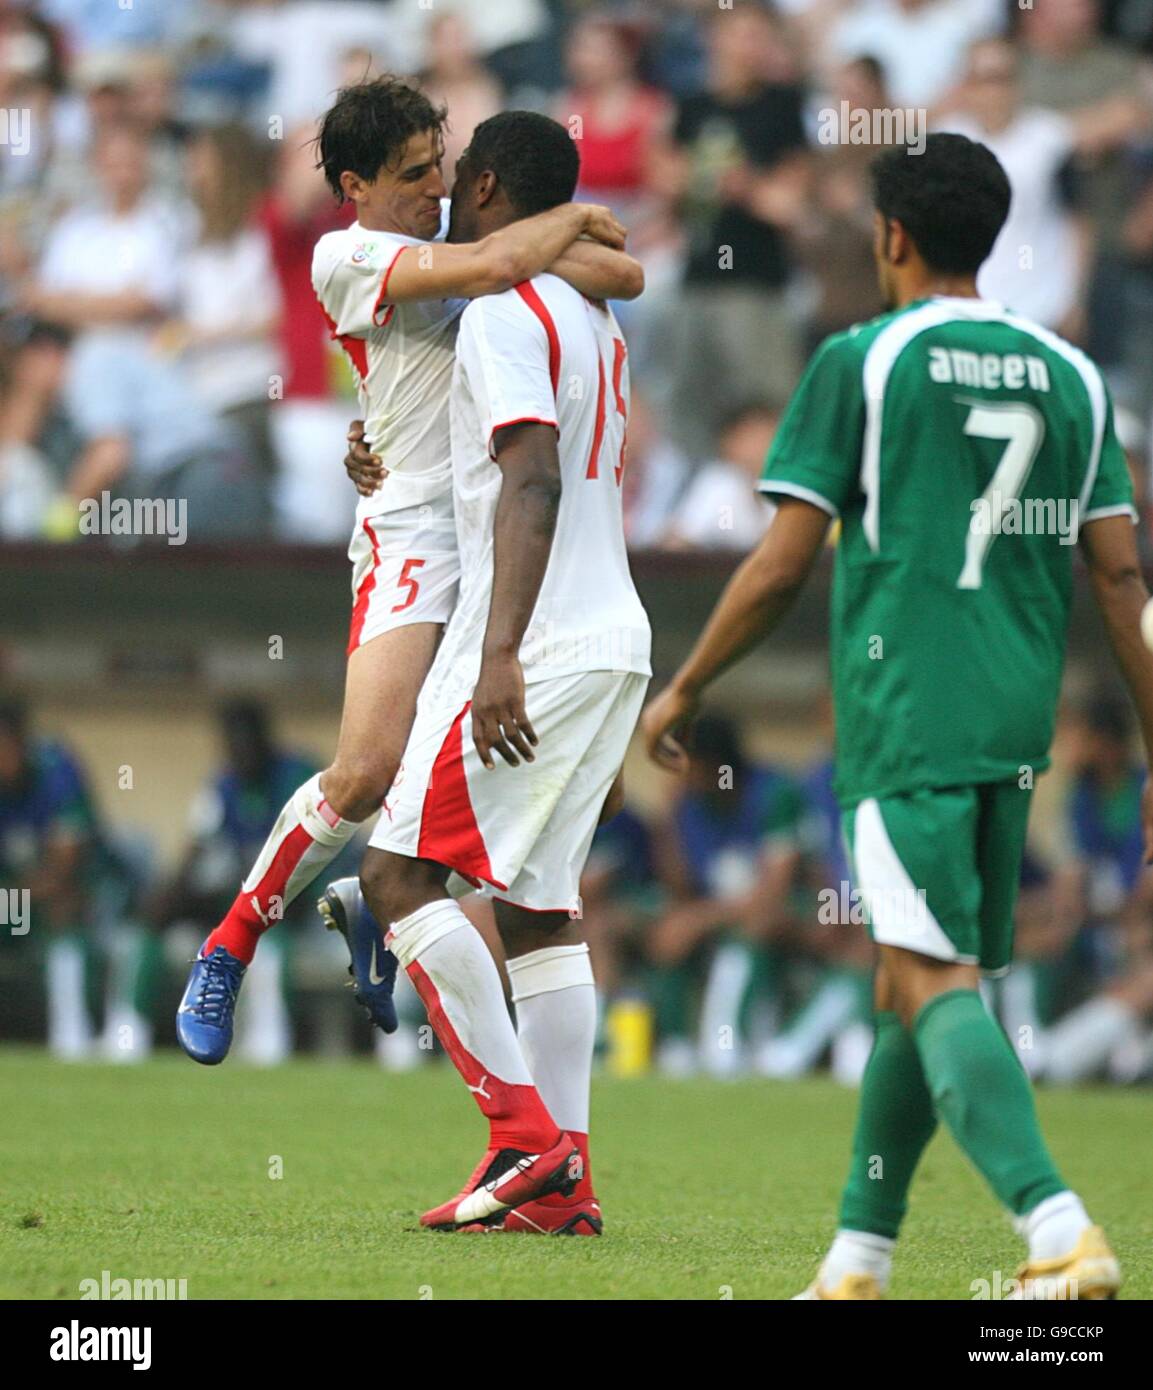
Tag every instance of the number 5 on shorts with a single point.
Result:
(407, 581)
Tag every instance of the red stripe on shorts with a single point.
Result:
(449, 833)
(364, 593)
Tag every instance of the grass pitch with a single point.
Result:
(709, 1190)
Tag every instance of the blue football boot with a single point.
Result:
(373, 967)
(204, 1018)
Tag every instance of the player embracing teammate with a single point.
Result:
(395, 293)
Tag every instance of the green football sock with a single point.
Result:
(983, 1095)
(895, 1120)
(671, 990)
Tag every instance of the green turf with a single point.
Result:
(709, 1190)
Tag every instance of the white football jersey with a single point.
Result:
(402, 355)
(543, 352)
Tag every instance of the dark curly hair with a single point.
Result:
(533, 156)
(952, 199)
(368, 126)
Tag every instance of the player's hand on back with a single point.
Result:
(499, 721)
(363, 466)
(668, 713)
(604, 226)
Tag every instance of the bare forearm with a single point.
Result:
(522, 541)
(599, 272)
(528, 247)
(754, 601)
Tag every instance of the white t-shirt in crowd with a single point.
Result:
(230, 287)
(1033, 265)
(721, 509)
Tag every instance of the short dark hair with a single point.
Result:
(367, 127)
(533, 156)
(952, 199)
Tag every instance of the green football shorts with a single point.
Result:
(937, 871)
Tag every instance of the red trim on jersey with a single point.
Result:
(620, 353)
(449, 833)
(528, 293)
(364, 592)
(522, 420)
(380, 298)
(599, 431)
(356, 348)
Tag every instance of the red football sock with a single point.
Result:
(458, 982)
(307, 836)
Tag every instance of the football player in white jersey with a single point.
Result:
(525, 717)
(393, 293)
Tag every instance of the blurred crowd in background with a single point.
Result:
(725, 933)
(159, 204)
(159, 337)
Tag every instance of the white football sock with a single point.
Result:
(556, 1013)
(263, 1026)
(857, 1252)
(1054, 1226)
(1081, 1043)
(289, 860)
(69, 1027)
(456, 977)
(728, 982)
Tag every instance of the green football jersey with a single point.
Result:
(961, 447)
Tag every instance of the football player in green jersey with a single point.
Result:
(964, 450)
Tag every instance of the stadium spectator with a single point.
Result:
(921, 44)
(614, 116)
(1107, 1032)
(454, 76)
(654, 476)
(620, 897)
(833, 237)
(229, 821)
(57, 862)
(228, 299)
(1102, 87)
(1041, 263)
(37, 441)
(112, 265)
(146, 437)
(310, 423)
(836, 1014)
(737, 168)
(721, 508)
(728, 858)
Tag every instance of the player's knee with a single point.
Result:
(355, 789)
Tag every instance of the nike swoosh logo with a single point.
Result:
(373, 977)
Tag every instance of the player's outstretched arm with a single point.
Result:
(599, 272)
(759, 594)
(443, 270)
(1110, 549)
(522, 542)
